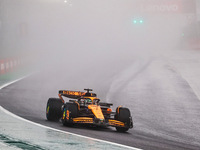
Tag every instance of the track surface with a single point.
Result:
(164, 108)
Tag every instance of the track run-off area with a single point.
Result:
(161, 91)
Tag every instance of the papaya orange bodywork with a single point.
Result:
(116, 123)
(96, 111)
(109, 110)
(118, 109)
(85, 108)
(83, 120)
(77, 93)
(78, 105)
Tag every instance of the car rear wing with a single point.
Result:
(75, 94)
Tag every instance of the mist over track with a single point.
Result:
(133, 53)
(164, 107)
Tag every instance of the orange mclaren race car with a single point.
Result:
(86, 108)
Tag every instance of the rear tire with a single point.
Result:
(123, 115)
(70, 111)
(53, 109)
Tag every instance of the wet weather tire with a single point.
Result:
(123, 115)
(70, 111)
(121, 129)
(53, 109)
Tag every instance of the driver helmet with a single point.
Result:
(89, 101)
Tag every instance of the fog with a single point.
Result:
(87, 40)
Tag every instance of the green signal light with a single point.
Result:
(138, 21)
(182, 34)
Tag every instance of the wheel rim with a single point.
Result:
(64, 114)
(47, 112)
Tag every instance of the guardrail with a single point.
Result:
(8, 65)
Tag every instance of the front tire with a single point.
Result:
(123, 114)
(70, 111)
(53, 109)
(121, 129)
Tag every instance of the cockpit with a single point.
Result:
(88, 101)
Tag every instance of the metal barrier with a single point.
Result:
(8, 65)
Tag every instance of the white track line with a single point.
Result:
(37, 124)
(7, 84)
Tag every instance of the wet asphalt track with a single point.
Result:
(165, 110)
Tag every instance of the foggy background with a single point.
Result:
(87, 41)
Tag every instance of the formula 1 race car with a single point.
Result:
(86, 108)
